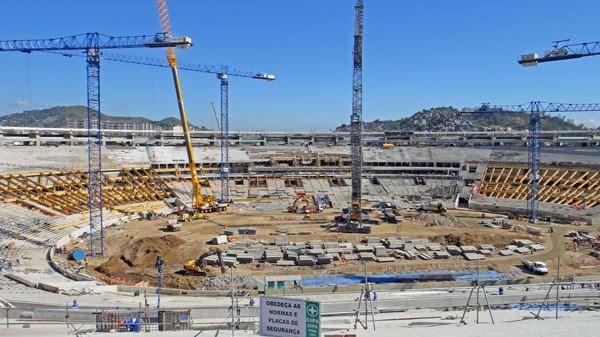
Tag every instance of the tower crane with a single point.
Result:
(537, 110)
(566, 52)
(222, 73)
(354, 217)
(92, 44)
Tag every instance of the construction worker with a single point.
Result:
(252, 302)
(374, 296)
(75, 304)
(501, 291)
(133, 324)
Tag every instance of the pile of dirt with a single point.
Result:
(143, 252)
(112, 267)
(467, 239)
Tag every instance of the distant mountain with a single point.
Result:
(59, 117)
(450, 119)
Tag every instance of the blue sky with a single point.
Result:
(417, 55)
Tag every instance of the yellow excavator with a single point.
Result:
(200, 203)
(295, 208)
(198, 267)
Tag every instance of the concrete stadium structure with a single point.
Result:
(44, 196)
(45, 136)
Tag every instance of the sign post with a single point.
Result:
(284, 317)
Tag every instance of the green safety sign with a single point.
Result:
(313, 319)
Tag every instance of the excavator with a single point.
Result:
(198, 267)
(200, 203)
(295, 208)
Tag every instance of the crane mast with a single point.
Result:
(356, 118)
(163, 15)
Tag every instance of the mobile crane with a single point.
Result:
(201, 203)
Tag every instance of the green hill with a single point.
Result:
(59, 117)
(451, 119)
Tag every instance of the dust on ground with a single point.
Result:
(131, 248)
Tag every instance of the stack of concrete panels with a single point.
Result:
(485, 252)
(487, 246)
(315, 244)
(240, 245)
(282, 230)
(229, 261)
(536, 248)
(474, 256)
(281, 242)
(350, 257)
(245, 258)
(272, 256)
(306, 260)
(367, 256)
(424, 256)
(394, 244)
(506, 252)
(230, 232)
(420, 247)
(407, 254)
(235, 252)
(453, 250)
(433, 246)
(315, 252)
(292, 256)
(380, 251)
(362, 248)
(372, 240)
(423, 240)
(337, 251)
(331, 245)
(441, 255)
(286, 263)
(468, 249)
(512, 247)
(385, 259)
(522, 243)
(408, 245)
(523, 250)
(300, 245)
(256, 251)
(325, 258)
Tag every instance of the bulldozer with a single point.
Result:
(198, 267)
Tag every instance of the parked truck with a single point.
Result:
(537, 267)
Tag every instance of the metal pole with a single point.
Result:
(158, 291)
(477, 291)
(232, 306)
(367, 295)
(557, 286)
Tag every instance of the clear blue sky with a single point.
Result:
(417, 55)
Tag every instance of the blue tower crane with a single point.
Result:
(92, 44)
(222, 73)
(566, 52)
(537, 110)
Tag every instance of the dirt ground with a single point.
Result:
(131, 249)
